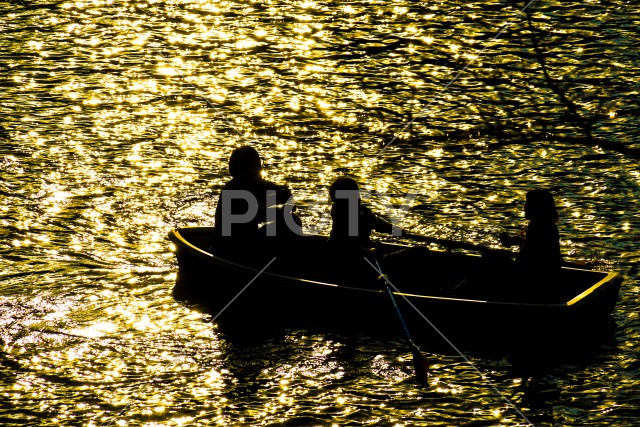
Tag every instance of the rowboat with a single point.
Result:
(471, 297)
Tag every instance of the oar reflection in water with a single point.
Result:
(420, 362)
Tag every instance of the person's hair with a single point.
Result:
(342, 183)
(540, 206)
(244, 161)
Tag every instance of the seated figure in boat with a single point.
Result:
(350, 237)
(352, 221)
(248, 201)
(540, 240)
(536, 263)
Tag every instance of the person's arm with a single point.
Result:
(377, 223)
(541, 248)
(507, 240)
(283, 193)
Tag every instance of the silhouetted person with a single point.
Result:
(540, 240)
(352, 221)
(350, 237)
(536, 264)
(247, 201)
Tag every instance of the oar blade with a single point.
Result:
(421, 365)
(420, 362)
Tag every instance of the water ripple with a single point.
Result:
(118, 118)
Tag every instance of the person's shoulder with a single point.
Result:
(338, 209)
(542, 226)
(542, 230)
(267, 185)
(249, 184)
(232, 184)
(365, 209)
(367, 212)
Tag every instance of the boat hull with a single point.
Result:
(248, 299)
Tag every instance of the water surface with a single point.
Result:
(117, 121)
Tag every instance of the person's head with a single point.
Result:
(540, 206)
(245, 163)
(340, 184)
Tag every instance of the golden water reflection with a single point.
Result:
(107, 142)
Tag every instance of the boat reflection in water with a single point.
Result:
(300, 290)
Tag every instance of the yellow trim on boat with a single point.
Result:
(608, 278)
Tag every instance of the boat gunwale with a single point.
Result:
(607, 280)
(175, 234)
(575, 302)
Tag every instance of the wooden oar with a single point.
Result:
(452, 244)
(420, 362)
